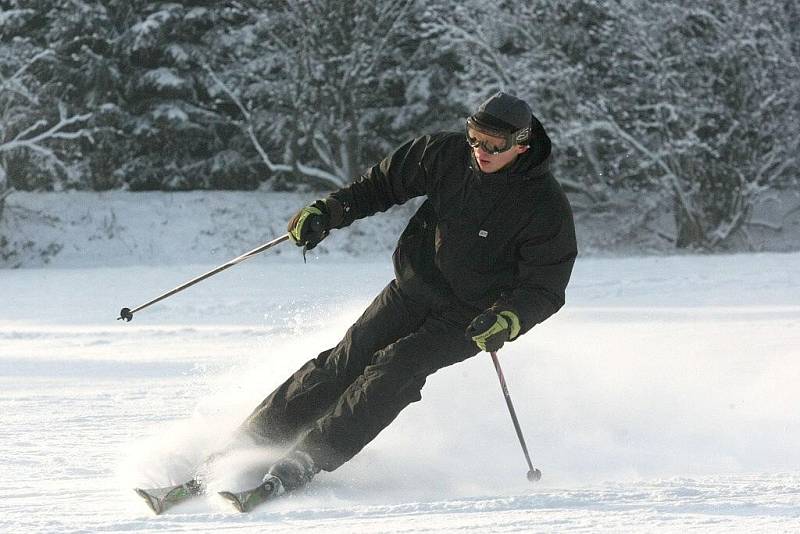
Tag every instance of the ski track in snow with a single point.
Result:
(662, 398)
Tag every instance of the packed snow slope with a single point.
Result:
(662, 398)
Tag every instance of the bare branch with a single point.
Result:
(468, 37)
(24, 133)
(578, 187)
(54, 132)
(610, 125)
(319, 173)
(235, 99)
(18, 75)
(274, 167)
(378, 50)
(765, 224)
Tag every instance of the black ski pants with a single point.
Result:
(338, 402)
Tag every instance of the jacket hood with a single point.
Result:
(540, 145)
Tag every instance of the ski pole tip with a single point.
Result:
(125, 315)
(534, 475)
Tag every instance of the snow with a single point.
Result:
(84, 229)
(171, 113)
(163, 77)
(662, 398)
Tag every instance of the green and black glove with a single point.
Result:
(312, 224)
(491, 329)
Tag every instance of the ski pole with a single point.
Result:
(533, 473)
(127, 313)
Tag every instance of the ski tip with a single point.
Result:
(152, 502)
(233, 499)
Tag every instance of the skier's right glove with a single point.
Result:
(313, 223)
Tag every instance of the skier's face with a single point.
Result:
(489, 153)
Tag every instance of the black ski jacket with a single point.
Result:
(503, 240)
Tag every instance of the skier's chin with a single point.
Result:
(485, 165)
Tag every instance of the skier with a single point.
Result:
(487, 256)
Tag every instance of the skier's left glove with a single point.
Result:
(491, 329)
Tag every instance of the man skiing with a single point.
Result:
(486, 257)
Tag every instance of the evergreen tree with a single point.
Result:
(179, 139)
(327, 87)
(39, 126)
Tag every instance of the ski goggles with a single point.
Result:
(506, 143)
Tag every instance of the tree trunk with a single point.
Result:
(690, 233)
(3, 195)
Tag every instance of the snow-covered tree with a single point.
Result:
(75, 71)
(328, 86)
(36, 125)
(669, 107)
(705, 110)
(693, 107)
(553, 53)
(178, 139)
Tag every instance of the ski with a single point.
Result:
(245, 501)
(161, 499)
